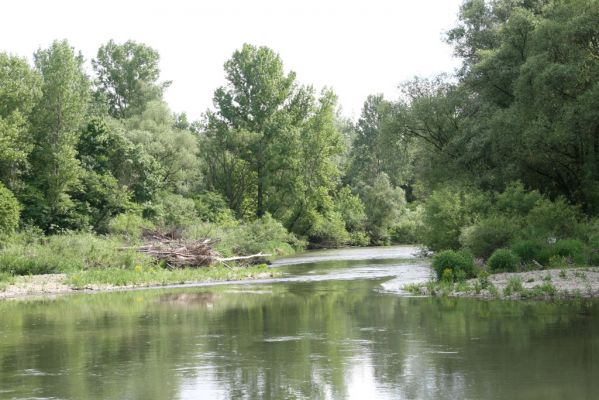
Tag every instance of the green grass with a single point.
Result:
(69, 253)
(143, 276)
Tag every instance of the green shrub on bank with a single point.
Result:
(488, 235)
(503, 260)
(408, 229)
(529, 250)
(10, 211)
(130, 225)
(459, 263)
(446, 212)
(265, 235)
(571, 249)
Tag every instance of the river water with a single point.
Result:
(335, 326)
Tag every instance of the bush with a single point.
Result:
(212, 207)
(503, 260)
(130, 225)
(10, 210)
(529, 250)
(171, 211)
(459, 263)
(488, 235)
(446, 213)
(571, 249)
(408, 229)
(265, 235)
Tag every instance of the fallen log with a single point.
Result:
(243, 257)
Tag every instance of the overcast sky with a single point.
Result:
(356, 47)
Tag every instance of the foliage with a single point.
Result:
(446, 213)
(531, 250)
(456, 262)
(572, 249)
(408, 229)
(171, 211)
(67, 253)
(127, 76)
(503, 260)
(489, 234)
(9, 211)
(56, 120)
(212, 207)
(130, 225)
(383, 204)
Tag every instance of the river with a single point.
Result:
(335, 326)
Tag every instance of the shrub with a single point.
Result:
(529, 250)
(408, 229)
(130, 225)
(171, 211)
(446, 213)
(10, 210)
(503, 260)
(457, 262)
(488, 235)
(514, 285)
(571, 249)
(212, 207)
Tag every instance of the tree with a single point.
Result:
(56, 120)
(380, 144)
(127, 75)
(249, 110)
(20, 89)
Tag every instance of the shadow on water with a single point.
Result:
(304, 338)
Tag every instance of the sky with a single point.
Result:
(357, 48)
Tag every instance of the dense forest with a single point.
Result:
(502, 154)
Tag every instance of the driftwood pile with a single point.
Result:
(176, 252)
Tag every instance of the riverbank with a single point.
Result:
(566, 283)
(112, 279)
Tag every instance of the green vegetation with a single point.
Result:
(503, 260)
(453, 265)
(152, 275)
(499, 160)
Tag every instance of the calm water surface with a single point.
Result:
(334, 327)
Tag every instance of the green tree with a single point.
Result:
(56, 120)
(249, 112)
(9, 210)
(127, 75)
(20, 89)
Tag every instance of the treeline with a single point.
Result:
(506, 150)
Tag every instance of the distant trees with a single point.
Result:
(76, 151)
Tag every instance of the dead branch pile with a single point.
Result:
(178, 253)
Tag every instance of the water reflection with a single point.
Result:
(326, 339)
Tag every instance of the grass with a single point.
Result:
(88, 259)
(5, 281)
(140, 276)
(514, 286)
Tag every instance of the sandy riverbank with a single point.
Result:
(57, 284)
(538, 284)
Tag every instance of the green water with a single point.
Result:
(326, 330)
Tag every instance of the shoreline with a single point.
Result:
(53, 285)
(547, 284)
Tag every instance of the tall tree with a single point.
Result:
(249, 111)
(127, 74)
(20, 89)
(57, 118)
